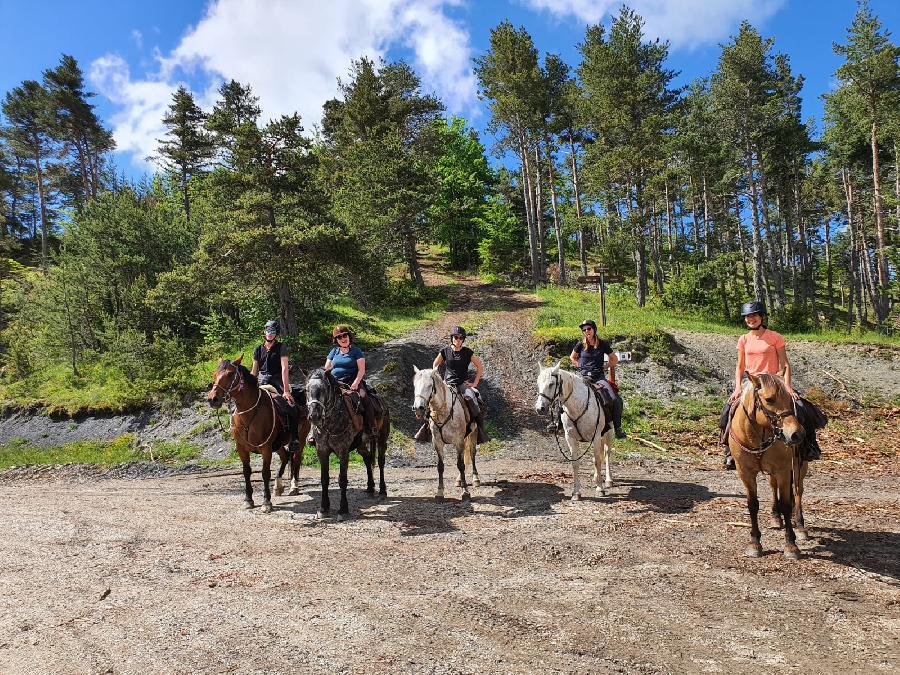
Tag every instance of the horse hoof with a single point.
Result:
(279, 490)
(248, 504)
(320, 515)
(775, 523)
(753, 551)
(458, 482)
(267, 507)
(607, 484)
(341, 517)
(294, 492)
(576, 496)
(601, 492)
(465, 496)
(791, 553)
(802, 535)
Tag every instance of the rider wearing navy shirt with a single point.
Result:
(588, 357)
(347, 363)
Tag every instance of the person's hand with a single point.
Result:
(794, 394)
(354, 386)
(470, 385)
(288, 397)
(735, 395)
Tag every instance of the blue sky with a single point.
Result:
(291, 52)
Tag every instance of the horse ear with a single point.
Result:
(415, 368)
(753, 378)
(238, 359)
(555, 368)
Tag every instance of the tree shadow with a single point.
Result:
(665, 496)
(867, 550)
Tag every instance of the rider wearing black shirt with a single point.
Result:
(588, 356)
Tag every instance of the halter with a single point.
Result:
(234, 380)
(776, 422)
(326, 410)
(440, 425)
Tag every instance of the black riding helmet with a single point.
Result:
(753, 307)
(272, 326)
(458, 330)
(588, 322)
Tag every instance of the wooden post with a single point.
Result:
(602, 300)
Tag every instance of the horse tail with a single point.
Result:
(469, 448)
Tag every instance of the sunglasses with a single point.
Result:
(343, 335)
(586, 329)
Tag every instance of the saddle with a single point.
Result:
(606, 397)
(354, 406)
(286, 413)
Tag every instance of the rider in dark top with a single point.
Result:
(588, 357)
(270, 362)
(456, 360)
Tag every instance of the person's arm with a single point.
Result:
(784, 369)
(479, 370)
(360, 373)
(285, 376)
(438, 360)
(254, 371)
(328, 365)
(613, 360)
(738, 373)
(573, 357)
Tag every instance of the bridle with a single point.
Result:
(334, 401)
(238, 381)
(776, 422)
(453, 396)
(557, 396)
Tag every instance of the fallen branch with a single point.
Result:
(650, 443)
(836, 379)
(737, 524)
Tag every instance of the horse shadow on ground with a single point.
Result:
(860, 549)
(663, 496)
(421, 515)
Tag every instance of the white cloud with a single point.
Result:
(291, 53)
(687, 24)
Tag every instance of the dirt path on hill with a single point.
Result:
(143, 571)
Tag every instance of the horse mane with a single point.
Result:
(246, 375)
(321, 374)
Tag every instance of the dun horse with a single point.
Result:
(583, 420)
(764, 428)
(450, 425)
(336, 431)
(257, 428)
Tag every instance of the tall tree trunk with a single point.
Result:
(42, 203)
(694, 214)
(412, 258)
(759, 287)
(529, 210)
(539, 211)
(770, 236)
(655, 245)
(557, 222)
(829, 272)
(640, 244)
(882, 306)
(582, 249)
(707, 222)
(742, 245)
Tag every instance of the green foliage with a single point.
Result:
(20, 452)
(502, 249)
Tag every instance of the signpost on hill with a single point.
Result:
(601, 279)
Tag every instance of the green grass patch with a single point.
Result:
(20, 452)
(564, 308)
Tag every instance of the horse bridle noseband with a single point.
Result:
(441, 425)
(326, 410)
(557, 396)
(776, 421)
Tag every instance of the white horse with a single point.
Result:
(582, 418)
(448, 418)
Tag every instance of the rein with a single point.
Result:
(334, 402)
(556, 401)
(776, 422)
(440, 425)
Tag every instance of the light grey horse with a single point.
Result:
(449, 420)
(583, 421)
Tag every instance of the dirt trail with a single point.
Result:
(166, 573)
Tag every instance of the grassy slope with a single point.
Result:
(102, 386)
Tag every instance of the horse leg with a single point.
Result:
(472, 449)
(244, 454)
(576, 479)
(344, 509)
(748, 478)
(439, 449)
(799, 522)
(598, 466)
(325, 503)
(775, 521)
(279, 483)
(607, 452)
(461, 465)
(368, 456)
(296, 459)
(785, 503)
(266, 475)
(382, 452)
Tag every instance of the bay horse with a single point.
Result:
(256, 428)
(336, 432)
(763, 437)
(583, 420)
(450, 423)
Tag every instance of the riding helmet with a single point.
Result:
(272, 326)
(458, 330)
(341, 329)
(753, 307)
(588, 322)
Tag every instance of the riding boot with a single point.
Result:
(423, 435)
(724, 422)
(617, 409)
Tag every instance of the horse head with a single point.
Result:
(425, 384)
(228, 380)
(320, 392)
(549, 386)
(773, 406)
